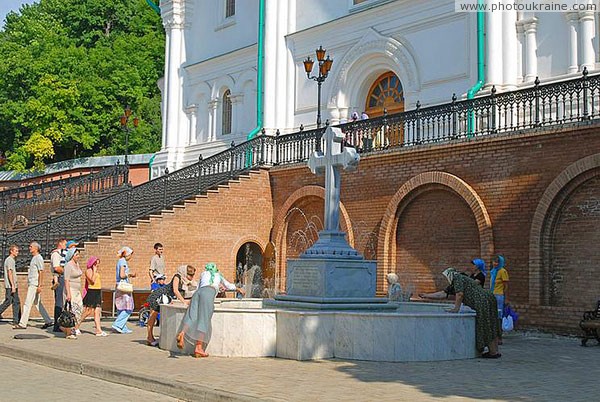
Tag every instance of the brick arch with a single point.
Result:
(563, 181)
(280, 224)
(417, 184)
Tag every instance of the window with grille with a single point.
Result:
(226, 113)
(229, 8)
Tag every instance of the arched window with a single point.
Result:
(386, 92)
(226, 113)
(229, 8)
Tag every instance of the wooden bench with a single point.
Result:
(590, 324)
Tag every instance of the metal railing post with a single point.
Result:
(90, 209)
(454, 117)
(586, 85)
(493, 110)
(4, 242)
(276, 144)
(536, 93)
(166, 188)
(128, 204)
(231, 161)
(200, 173)
(48, 233)
(418, 122)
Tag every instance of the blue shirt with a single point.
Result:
(122, 263)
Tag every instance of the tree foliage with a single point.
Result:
(69, 67)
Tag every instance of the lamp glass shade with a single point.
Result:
(320, 53)
(127, 111)
(123, 120)
(136, 121)
(327, 63)
(308, 65)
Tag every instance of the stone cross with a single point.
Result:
(334, 158)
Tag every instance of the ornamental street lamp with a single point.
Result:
(124, 119)
(324, 67)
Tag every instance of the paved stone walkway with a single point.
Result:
(28, 382)
(532, 368)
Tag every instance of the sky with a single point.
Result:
(7, 6)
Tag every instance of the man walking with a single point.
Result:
(57, 262)
(35, 276)
(157, 263)
(10, 284)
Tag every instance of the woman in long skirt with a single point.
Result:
(123, 301)
(197, 321)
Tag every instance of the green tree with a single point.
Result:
(69, 68)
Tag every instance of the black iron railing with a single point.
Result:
(18, 213)
(534, 107)
(99, 216)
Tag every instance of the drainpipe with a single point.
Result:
(154, 5)
(150, 163)
(480, 64)
(260, 73)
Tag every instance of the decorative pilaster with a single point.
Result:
(573, 21)
(509, 48)
(192, 113)
(236, 104)
(213, 106)
(588, 31)
(530, 31)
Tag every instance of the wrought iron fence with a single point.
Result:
(537, 106)
(17, 213)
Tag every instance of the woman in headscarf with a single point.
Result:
(394, 288)
(123, 301)
(197, 320)
(174, 290)
(499, 286)
(479, 273)
(72, 290)
(483, 302)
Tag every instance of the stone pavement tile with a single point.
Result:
(531, 369)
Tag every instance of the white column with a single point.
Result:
(530, 29)
(493, 45)
(520, 48)
(212, 119)
(270, 64)
(510, 48)
(192, 113)
(573, 21)
(176, 15)
(588, 31)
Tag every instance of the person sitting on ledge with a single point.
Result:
(394, 288)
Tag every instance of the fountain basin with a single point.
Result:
(411, 332)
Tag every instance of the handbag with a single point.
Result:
(125, 287)
(66, 319)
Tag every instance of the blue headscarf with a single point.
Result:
(494, 271)
(480, 264)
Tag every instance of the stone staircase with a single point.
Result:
(211, 226)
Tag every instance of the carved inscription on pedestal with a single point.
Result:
(306, 281)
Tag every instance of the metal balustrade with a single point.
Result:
(534, 107)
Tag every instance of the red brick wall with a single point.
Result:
(436, 230)
(507, 174)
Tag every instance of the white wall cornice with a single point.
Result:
(177, 14)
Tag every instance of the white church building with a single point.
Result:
(234, 68)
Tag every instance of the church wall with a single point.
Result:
(509, 174)
(211, 34)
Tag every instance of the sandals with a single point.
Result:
(489, 356)
(152, 343)
(198, 355)
(180, 341)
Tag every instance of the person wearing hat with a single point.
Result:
(158, 281)
(92, 301)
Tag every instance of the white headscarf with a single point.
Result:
(450, 274)
(125, 251)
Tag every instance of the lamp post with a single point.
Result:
(124, 119)
(324, 67)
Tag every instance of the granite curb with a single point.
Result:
(181, 390)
